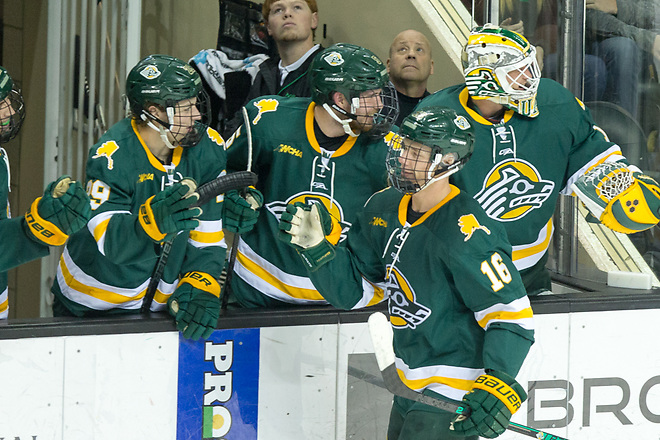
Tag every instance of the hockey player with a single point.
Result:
(51, 218)
(328, 149)
(462, 322)
(534, 141)
(141, 179)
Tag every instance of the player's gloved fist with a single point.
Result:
(305, 227)
(62, 210)
(170, 211)
(239, 214)
(195, 305)
(494, 398)
(622, 199)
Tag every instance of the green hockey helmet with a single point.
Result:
(352, 70)
(165, 81)
(12, 107)
(501, 66)
(448, 139)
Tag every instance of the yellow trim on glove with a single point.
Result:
(201, 281)
(499, 389)
(148, 222)
(44, 230)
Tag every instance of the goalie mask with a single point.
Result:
(359, 75)
(12, 107)
(175, 88)
(500, 65)
(432, 144)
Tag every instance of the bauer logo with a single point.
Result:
(219, 386)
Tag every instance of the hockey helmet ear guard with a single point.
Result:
(176, 88)
(432, 144)
(501, 66)
(353, 70)
(12, 107)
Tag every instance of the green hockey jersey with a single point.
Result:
(106, 267)
(292, 167)
(521, 165)
(456, 303)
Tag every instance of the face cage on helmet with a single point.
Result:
(187, 133)
(382, 121)
(11, 124)
(515, 72)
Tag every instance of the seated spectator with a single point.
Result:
(620, 32)
(410, 64)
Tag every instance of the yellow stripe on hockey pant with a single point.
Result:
(207, 237)
(506, 316)
(418, 384)
(202, 281)
(500, 390)
(148, 222)
(42, 229)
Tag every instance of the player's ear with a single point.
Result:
(339, 99)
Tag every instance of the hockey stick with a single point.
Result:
(226, 285)
(207, 192)
(381, 337)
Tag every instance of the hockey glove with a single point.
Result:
(620, 198)
(62, 210)
(305, 227)
(169, 211)
(239, 214)
(494, 398)
(195, 305)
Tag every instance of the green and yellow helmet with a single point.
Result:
(12, 107)
(164, 81)
(494, 59)
(352, 70)
(444, 132)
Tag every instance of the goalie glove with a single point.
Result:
(624, 200)
(494, 398)
(305, 227)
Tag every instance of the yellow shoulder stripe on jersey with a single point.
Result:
(463, 98)
(176, 154)
(311, 138)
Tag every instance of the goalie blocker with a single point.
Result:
(620, 197)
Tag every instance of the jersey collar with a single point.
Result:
(311, 137)
(176, 154)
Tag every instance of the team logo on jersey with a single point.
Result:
(468, 225)
(150, 72)
(215, 137)
(289, 150)
(404, 309)
(377, 221)
(145, 176)
(264, 106)
(334, 59)
(107, 149)
(513, 189)
(339, 225)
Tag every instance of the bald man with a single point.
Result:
(410, 64)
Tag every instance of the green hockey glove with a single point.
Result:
(305, 227)
(62, 210)
(169, 211)
(239, 214)
(494, 398)
(195, 305)
(621, 199)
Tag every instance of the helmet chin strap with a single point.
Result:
(432, 169)
(345, 123)
(148, 117)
